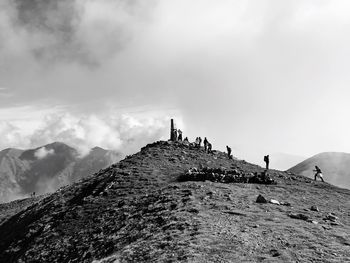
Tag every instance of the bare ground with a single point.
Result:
(137, 211)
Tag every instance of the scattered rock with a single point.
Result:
(314, 208)
(275, 252)
(223, 175)
(285, 203)
(260, 199)
(299, 216)
(331, 217)
(272, 201)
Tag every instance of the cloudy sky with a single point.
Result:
(261, 76)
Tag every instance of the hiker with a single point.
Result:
(209, 147)
(200, 141)
(267, 161)
(179, 138)
(318, 173)
(205, 142)
(229, 150)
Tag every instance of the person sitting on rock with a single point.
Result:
(318, 173)
(209, 148)
(179, 138)
(229, 150)
(267, 161)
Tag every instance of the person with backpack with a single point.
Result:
(318, 173)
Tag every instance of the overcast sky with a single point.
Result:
(260, 76)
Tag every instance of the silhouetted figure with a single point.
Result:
(205, 142)
(179, 138)
(199, 141)
(267, 161)
(186, 140)
(209, 148)
(318, 173)
(172, 128)
(229, 150)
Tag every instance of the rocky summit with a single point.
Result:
(176, 203)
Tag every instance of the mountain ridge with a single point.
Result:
(46, 168)
(137, 210)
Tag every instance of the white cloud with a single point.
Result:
(123, 133)
(42, 152)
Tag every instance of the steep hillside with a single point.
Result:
(335, 167)
(47, 168)
(138, 211)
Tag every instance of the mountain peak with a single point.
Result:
(138, 210)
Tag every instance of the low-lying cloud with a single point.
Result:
(122, 133)
(42, 153)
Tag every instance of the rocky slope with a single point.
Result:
(335, 167)
(139, 211)
(47, 168)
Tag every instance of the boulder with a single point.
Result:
(261, 200)
(314, 208)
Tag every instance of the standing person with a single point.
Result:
(205, 142)
(200, 141)
(267, 161)
(229, 150)
(318, 173)
(179, 135)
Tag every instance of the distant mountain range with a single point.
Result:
(47, 168)
(334, 165)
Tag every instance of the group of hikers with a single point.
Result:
(176, 135)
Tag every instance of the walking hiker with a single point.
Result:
(318, 173)
(179, 138)
(229, 150)
(205, 142)
(267, 161)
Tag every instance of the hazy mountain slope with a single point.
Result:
(138, 211)
(47, 168)
(283, 161)
(334, 165)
